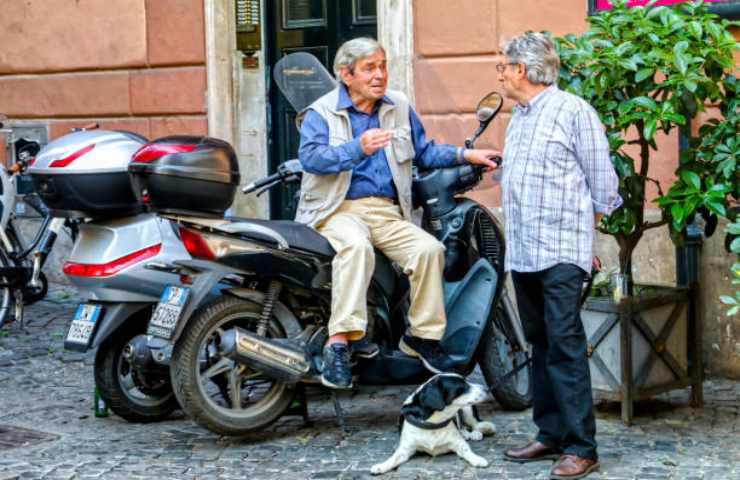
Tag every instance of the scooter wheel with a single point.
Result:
(117, 383)
(219, 394)
(496, 359)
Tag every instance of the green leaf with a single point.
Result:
(650, 126)
(733, 311)
(714, 30)
(727, 300)
(646, 103)
(695, 29)
(716, 206)
(735, 245)
(733, 228)
(644, 73)
(690, 85)
(628, 64)
(624, 107)
(622, 48)
(676, 118)
(677, 214)
(691, 179)
(680, 59)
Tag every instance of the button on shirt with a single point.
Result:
(556, 175)
(371, 175)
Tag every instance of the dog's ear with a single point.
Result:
(413, 410)
(452, 387)
(432, 395)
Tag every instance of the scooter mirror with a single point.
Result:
(489, 106)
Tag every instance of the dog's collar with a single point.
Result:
(423, 423)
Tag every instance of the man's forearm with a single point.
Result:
(326, 159)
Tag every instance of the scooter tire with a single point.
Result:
(108, 381)
(491, 362)
(185, 373)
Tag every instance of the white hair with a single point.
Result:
(353, 50)
(536, 52)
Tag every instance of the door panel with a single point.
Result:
(318, 27)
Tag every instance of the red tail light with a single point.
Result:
(110, 268)
(149, 153)
(195, 244)
(63, 162)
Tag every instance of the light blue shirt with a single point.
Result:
(556, 175)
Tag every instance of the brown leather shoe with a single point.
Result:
(572, 466)
(532, 452)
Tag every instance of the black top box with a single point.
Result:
(185, 174)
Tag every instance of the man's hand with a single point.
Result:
(374, 139)
(483, 157)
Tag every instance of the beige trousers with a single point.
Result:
(353, 230)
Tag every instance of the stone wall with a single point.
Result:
(130, 64)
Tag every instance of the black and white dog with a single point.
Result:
(434, 420)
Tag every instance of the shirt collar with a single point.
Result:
(344, 102)
(537, 100)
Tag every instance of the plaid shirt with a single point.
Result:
(556, 175)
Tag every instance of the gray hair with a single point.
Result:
(353, 50)
(535, 51)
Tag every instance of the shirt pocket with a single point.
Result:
(403, 146)
(557, 139)
(311, 201)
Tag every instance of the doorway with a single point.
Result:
(318, 27)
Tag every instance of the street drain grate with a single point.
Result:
(13, 437)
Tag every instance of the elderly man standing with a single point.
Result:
(358, 144)
(557, 183)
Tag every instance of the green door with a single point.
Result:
(318, 27)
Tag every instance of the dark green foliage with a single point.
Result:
(646, 69)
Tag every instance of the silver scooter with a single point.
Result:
(83, 177)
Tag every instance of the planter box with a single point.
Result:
(645, 345)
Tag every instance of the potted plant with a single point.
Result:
(644, 70)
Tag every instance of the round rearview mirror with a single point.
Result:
(489, 106)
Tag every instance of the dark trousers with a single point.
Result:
(549, 306)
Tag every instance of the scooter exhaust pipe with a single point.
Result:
(280, 358)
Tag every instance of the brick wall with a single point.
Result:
(129, 64)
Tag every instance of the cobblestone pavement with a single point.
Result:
(45, 389)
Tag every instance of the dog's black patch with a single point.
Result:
(438, 393)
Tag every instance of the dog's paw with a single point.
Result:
(472, 436)
(478, 462)
(486, 428)
(377, 469)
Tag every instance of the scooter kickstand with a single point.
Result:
(340, 413)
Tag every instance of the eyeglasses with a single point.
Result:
(500, 67)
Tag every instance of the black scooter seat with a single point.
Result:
(298, 235)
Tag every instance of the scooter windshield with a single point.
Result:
(302, 79)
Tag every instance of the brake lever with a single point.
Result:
(268, 186)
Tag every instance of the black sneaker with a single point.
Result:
(336, 371)
(428, 351)
(364, 348)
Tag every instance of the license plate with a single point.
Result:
(82, 327)
(170, 306)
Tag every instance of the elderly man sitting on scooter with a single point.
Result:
(358, 144)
